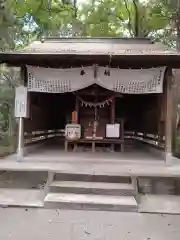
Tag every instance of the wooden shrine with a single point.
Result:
(101, 85)
(95, 113)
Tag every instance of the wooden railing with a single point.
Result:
(151, 139)
(38, 136)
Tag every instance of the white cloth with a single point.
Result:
(130, 81)
(58, 80)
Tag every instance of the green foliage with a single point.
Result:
(124, 18)
(9, 77)
(42, 17)
(34, 19)
(6, 25)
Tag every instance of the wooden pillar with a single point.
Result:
(113, 108)
(77, 110)
(168, 120)
(159, 125)
(175, 89)
(122, 134)
(160, 119)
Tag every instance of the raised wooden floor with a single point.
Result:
(57, 154)
(133, 162)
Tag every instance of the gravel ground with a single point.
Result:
(40, 224)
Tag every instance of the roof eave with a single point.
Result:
(25, 58)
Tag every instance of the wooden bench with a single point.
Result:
(94, 142)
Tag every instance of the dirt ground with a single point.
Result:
(40, 224)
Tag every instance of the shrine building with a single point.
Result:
(98, 99)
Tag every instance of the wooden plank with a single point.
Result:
(116, 141)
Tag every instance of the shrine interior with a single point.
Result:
(140, 113)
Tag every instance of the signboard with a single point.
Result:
(73, 131)
(21, 98)
(112, 130)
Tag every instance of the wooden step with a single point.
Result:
(91, 202)
(82, 187)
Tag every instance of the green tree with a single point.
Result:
(44, 18)
(122, 18)
(9, 78)
(7, 21)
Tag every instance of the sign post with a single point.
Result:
(21, 112)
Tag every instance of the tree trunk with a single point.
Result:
(136, 20)
(178, 34)
(75, 8)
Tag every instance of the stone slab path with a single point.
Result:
(40, 224)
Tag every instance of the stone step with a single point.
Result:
(91, 178)
(90, 202)
(82, 187)
(14, 197)
(152, 203)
